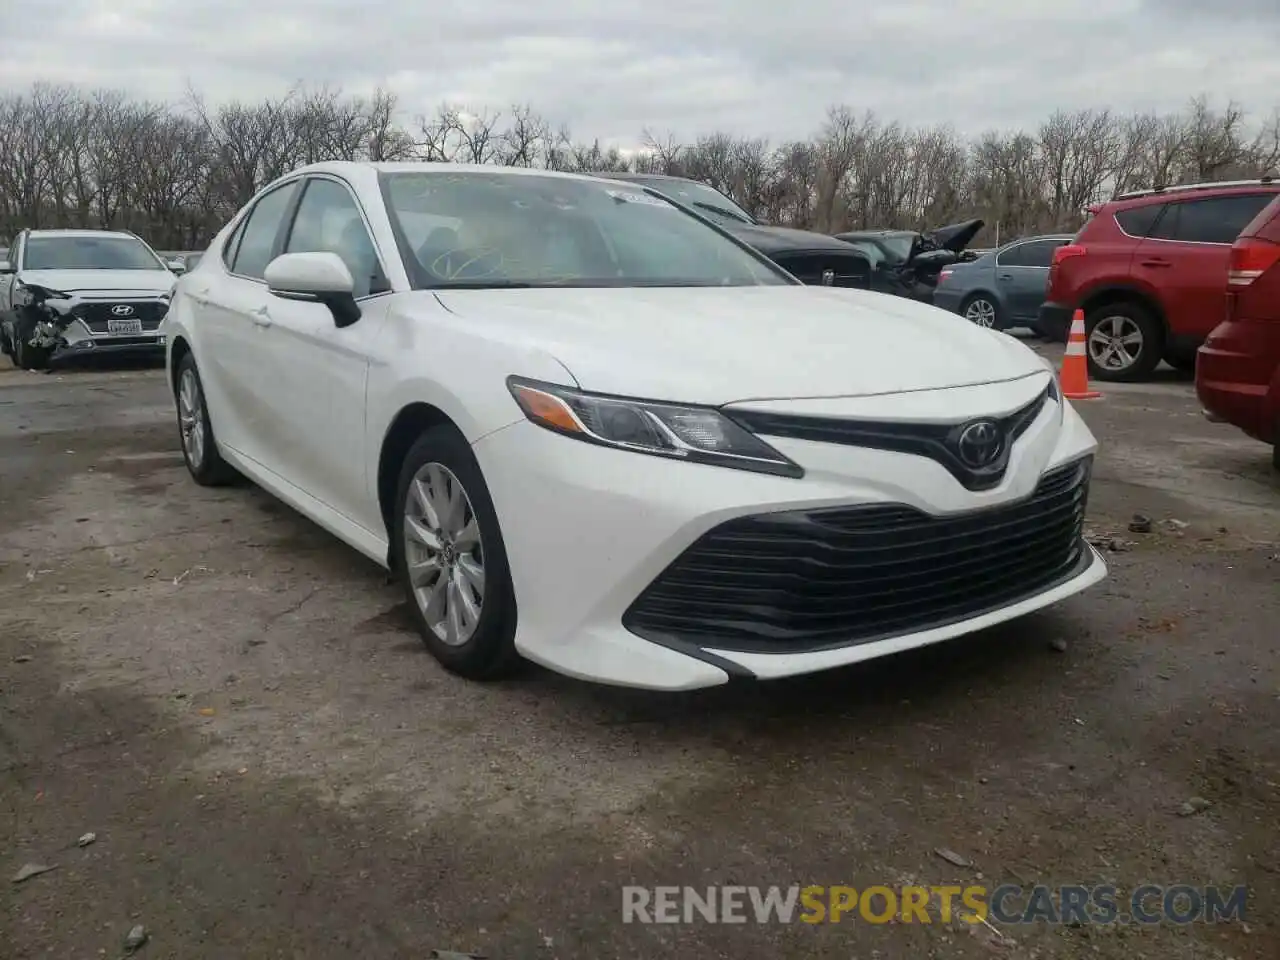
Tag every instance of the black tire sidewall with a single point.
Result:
(1152, 342)
(490, 651)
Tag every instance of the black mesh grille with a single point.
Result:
(804, 580)
(96, 315)
(811, 269)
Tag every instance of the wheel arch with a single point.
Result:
(1122, 293)
(178, 349)
(409, 423)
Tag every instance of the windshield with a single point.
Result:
(697, 195)
(88, 253)
(500, 230)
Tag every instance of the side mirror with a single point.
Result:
(6, 267)
(315, 278)
(177, 266)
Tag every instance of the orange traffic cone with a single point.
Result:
(1074, 377)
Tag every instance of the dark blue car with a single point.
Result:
(1002, 288)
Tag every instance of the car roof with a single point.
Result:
(1226, 188)
(341, 167)
(82, 233)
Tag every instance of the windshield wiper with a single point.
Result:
(723, 211)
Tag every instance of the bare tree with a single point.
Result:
(176, 172)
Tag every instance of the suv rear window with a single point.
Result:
(1211, 219)
(1138, 221)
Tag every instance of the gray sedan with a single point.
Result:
(1002, 288)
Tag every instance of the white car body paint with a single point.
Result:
(302, 407)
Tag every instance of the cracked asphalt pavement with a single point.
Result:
(235, 705)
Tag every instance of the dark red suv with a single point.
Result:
(1150, 271)
(1238, 370)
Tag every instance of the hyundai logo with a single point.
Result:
(121, 310)
(980, 443)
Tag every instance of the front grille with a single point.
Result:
(937, 441)
(811, 269)
(806, 580)
(97, 314)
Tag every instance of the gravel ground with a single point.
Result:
(234, 704)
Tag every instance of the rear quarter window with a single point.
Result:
(1138, 221)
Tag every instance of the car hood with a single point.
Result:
(770, 240)
(719, 345)
(955, 236)
(113, 281)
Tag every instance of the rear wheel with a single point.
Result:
(1124, 341)
(195, 429)
(982, 311)
(450, 557)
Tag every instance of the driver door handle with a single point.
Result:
(260, 316)
(1006, 276)
(1156, 262)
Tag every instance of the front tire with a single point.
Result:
(1124, 342)
(195, 429)
(25, 356)
(981, 310)
(448, 552)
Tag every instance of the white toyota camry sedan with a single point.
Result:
(588, 428)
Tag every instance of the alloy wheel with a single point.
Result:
(1115, 343)
(191, 418)
(982, 312)
(443, 554)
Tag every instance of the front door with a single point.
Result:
(319, 370)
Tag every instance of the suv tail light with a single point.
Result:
(1067, 251)
(1251, 257)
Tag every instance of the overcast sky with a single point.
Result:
(687, 66)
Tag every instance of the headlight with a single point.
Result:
(695, 434)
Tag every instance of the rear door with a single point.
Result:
(1022, 272)
(229, 304)
(1185, 257)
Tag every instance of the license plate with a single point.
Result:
(124, 326)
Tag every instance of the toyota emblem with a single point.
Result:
(980, 443)
(121, 310)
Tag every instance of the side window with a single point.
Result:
(1040, 252)
(329, 221)
(233, 241)
(1138, 221)
(258, 237)
(1218, 219)
(1013, 257)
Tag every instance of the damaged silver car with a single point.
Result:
(72, 293)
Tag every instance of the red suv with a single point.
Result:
(1150, 271)
(1238, 370)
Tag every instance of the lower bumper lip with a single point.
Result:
(1212, 417)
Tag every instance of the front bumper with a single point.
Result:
(145, 346)
(1238, 377)
(1054, 321)
(588, 530)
